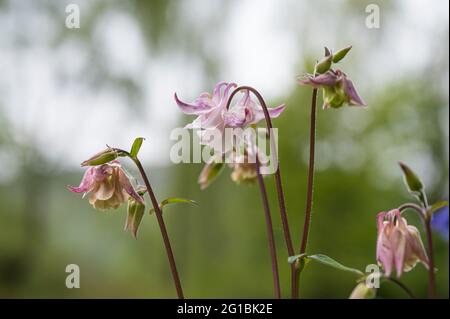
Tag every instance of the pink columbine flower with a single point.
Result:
(107, 185)
(212, 113)
(338, 89)
(399, 245)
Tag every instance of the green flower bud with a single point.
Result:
(412, 181)
(338, 56)
(361, 291)
(101, 158)
(323, 65)
(135, 213)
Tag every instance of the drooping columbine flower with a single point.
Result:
(399, 245)
(107, 185)
(212, 113)
(338, 89)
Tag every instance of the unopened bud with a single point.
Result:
(135, 213)
(323, 65)
(338, 56)
(101, 158)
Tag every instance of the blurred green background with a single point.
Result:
(65, 93)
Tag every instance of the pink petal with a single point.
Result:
(216, 92)
(126, 185)
(86, 183)
(258, 113)
(326, 79)
(399, 247)
(226, 93)
(198, 107)
(350, 91)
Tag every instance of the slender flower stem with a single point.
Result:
(426, 219)
(431, 275)
(278, 184)
(412, 206)
(162, 225)
(312, 151)
(269, 228)
(310, 188)
(402, 286)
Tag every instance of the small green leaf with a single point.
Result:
(412, 181)
(173, 200)
(436, 206)
(338, 56)
(136, 146)
(323, 259)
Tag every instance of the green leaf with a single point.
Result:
(136, 146)
(412, 181)
(338, 56)
(323, 259)
(436, 206)
(173, 200)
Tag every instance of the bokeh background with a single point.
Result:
(65, 93)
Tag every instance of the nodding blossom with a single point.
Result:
(399, 245)
(212, 113)
(107, 185)
(338, 89)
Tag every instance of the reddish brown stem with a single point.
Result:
(162, 225)
(269, 229)
(278, 183)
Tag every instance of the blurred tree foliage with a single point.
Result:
(220, 247)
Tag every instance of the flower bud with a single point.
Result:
(100, 158)
(338, 56)
(208, 174)
(323, 65)
(361, 291)
(135, 213)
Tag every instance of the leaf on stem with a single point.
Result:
(173, 200)
(436, 206)
(325, 260)
(136, 146)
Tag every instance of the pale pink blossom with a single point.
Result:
(107, 186)
(399, 245)
(338, 89)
